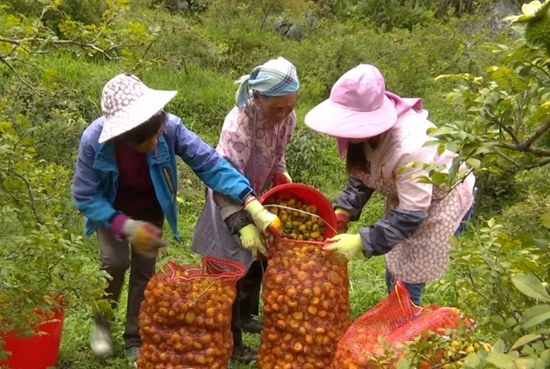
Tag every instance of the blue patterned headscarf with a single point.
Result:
(277, 77)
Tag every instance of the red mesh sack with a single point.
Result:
(360, 342)
(395, 319)
(437, 321)
(306, 306)
(186, 314)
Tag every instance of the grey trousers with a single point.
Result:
(115, 258)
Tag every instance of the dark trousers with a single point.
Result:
(247, 301)
(115, 258)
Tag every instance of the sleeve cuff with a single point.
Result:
(366, 238)
(117, 223)
(244, 194)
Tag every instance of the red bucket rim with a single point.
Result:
(329, 217)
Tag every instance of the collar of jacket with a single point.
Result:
(105, 157)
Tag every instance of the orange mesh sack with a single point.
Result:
(395, 319)
(437, 321)
(360, 342)
(306, 306)
(186, 314)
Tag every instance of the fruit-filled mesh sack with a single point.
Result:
(306, 306)
(394, 321)
(186, 314)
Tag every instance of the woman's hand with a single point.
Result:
(145, 238)
(252, 241)
(342, 218)
(281, 178)
(347, 245)
(267, 222)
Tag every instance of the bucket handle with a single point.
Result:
(303, 212)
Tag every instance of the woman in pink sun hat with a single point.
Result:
(378, 133)
(125, 185)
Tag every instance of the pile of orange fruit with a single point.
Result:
(302, 223)
(185, 321)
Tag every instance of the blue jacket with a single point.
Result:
(95, 179)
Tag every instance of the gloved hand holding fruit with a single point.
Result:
(347, 245)
(252, 241)
(267, 222)
(145, 238)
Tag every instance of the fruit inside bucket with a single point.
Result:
(40, 351)
(313, 197)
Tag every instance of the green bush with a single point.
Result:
(84, 11)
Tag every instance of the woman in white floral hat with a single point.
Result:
(254, 138)
(125, 185)
(379, 133)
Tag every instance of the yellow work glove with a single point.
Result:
(251, 240)
(144, 238)
(268, 223)
(347, 245)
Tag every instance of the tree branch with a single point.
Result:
(539, 164)
(507, 130)
(507, 158)
(55, 42)
(15, 198)
(534, 150)
(535, 136)
(5, 62)
(453, 359)
(29, 190)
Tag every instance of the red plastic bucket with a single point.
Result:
(39, 351)
(312, 196)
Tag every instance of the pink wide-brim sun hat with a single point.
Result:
(357, 107)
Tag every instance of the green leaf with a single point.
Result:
(472, 360)
(525, 340)
(545, 355)
(474, 163)
(545, 219)
(535, 310)
(462, 135)
(431, 143)
(503, 361)
(403, 364)
(541, 243)
(525, 363)
(499, 346)
(535, 315)
(530, 286)
(431, 129)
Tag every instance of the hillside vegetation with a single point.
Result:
(490, 102)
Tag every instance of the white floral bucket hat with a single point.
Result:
(126, 103)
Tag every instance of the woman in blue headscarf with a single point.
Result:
(254, 138)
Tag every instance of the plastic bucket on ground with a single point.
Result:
(313, 197)
(39, 351)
